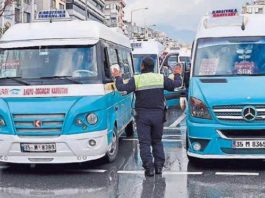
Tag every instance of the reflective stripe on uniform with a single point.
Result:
(149, 81)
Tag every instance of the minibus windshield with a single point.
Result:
(184, 59)
(230, 57)
(138, 59)
(48, 62)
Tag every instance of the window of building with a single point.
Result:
(27, 17)
(107, 7)
(69, 6)
(53, 4)
(27, 2)
(17, 16)
(61, 6)
(249, 10)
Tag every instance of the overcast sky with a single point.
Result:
(175, 15)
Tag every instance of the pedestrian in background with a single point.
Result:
(149, 106)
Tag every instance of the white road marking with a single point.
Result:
(182, 173)
(178, 121)
(131, 172)
(164, 173)
(172, 135)
(237, 174)
(168, 140)
(94, 171)
(171, 128)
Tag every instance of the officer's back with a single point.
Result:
(148, 88)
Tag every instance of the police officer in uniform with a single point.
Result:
(150, 105)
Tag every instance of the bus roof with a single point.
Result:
(234, 26)
(147, 47)
(60, 33)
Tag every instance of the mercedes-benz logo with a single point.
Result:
(37, 124)
(249, 113)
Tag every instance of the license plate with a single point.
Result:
(249, 144)
(38, 148)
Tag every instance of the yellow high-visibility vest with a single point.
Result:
(149, 81)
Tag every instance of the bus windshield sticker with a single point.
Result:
(9, 69)
(209, 66)
(244, 67)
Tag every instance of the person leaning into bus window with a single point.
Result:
(149, 106)
(176, 71)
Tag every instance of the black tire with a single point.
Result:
(112, 153)
(129, 130)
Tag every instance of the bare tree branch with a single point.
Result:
(5, 5)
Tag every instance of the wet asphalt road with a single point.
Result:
(125, 177)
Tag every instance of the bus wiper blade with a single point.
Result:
(63, 78)
(16, 79)
(250, 75)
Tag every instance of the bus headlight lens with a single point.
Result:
(197, 146)
(198, 109)
(92, 119)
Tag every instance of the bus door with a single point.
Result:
(125, 62)
(116, 99)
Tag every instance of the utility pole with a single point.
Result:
(132, 11)
(32, 10)
(86, 10)
(22, 11)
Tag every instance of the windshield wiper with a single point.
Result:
(248, 75)
(63, 78)
(16, 79)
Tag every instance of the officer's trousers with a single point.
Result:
(150, 130)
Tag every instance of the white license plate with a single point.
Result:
(38, 148)
(249, 144)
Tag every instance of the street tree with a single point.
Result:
(4, 5)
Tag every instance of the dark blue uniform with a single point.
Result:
(150, 105)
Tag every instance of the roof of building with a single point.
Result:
(60, 33)
(232, 26)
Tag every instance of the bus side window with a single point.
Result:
(106, 64)
(112, 59)
(124, 63)
(130, 60)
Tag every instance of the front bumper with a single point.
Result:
(69, 148)
(201, 156)
(216, 146)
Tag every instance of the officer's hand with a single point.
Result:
(116, 73)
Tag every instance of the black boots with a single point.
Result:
(158, 170)
(149, 172)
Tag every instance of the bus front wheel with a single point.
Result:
(112, 153)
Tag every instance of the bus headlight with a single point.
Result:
(198, 109)
(92, 118)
